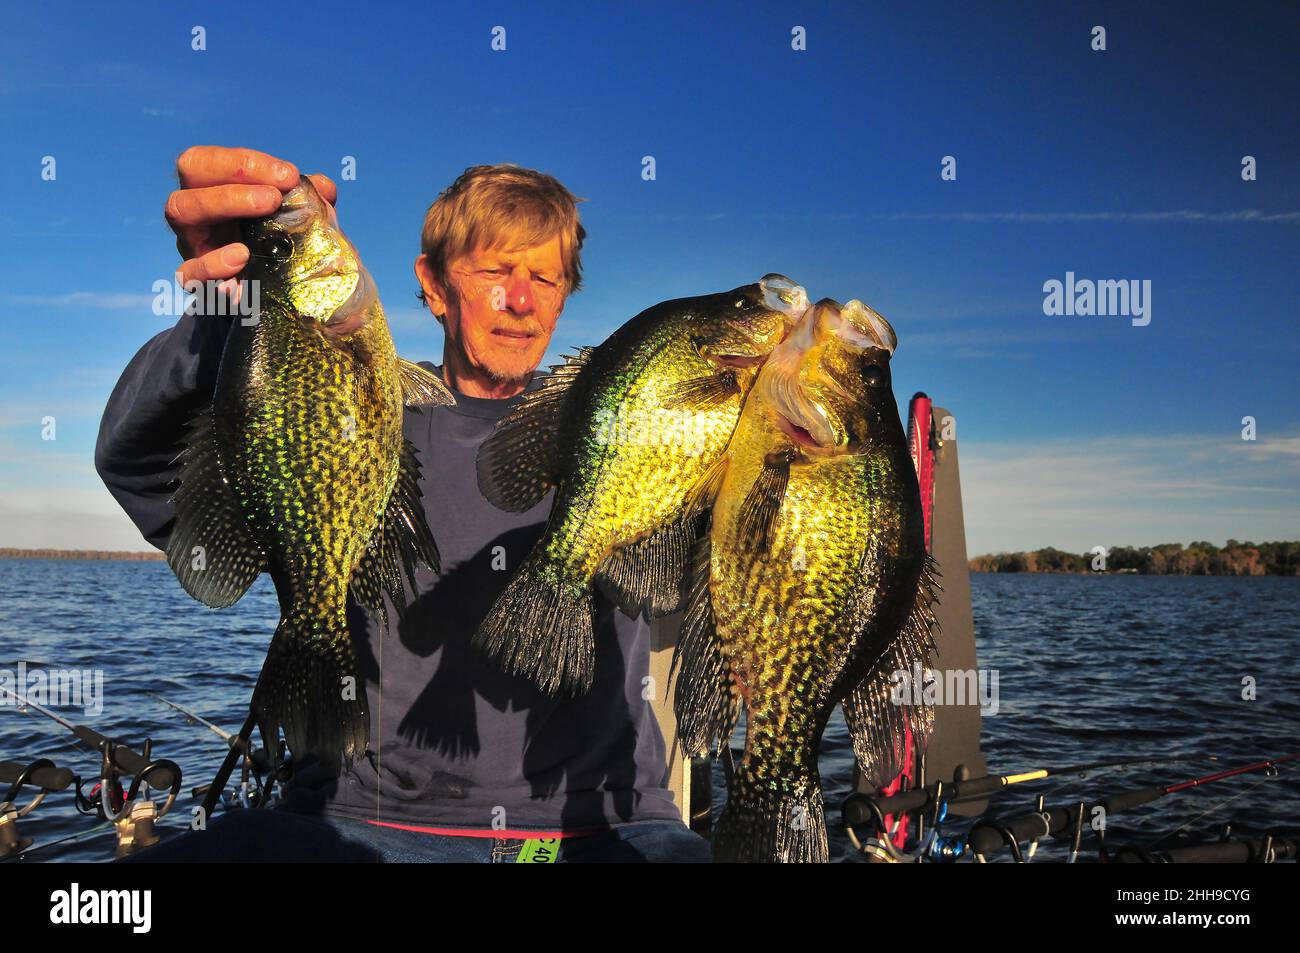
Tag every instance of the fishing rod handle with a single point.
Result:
(1246, 850)
(130, 762)
(988, 836)
(1131, 799)
(49, 778)
(921, 799)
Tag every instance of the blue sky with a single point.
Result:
(823, 164)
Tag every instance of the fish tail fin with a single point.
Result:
(760, 825)
(309, 688)
(540, 628)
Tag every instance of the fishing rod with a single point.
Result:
(256, 761)
(987, 836)
(861, 808)
(132, 812)
(1260, 849)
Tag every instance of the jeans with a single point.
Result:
(281, 836)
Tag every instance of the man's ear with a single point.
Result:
(435, 296)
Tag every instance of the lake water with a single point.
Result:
(1090, 668)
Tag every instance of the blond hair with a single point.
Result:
(488, 201)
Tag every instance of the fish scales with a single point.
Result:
(812, 581)
(299, 469)
(623, 433)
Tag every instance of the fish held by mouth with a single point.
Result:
(299, 468)
(811, 587)
(622, 433)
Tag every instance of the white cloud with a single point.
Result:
(66, 519)
(1076, 494)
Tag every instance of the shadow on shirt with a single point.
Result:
(574, 748)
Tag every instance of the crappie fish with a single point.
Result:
(299, 468)
(810, 586)
(623, 431)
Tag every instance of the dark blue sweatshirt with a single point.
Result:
(454, 743)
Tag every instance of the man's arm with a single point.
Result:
(146, 419)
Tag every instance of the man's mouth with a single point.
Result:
(514, 334)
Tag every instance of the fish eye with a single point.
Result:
(278, 247)
(874, 375)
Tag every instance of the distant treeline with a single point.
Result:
(1167, 559)
(76, 554)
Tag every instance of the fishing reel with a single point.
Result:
(935, 846)
(132, 811)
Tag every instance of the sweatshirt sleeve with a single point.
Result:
(167, 382)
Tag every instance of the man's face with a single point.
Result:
(501, 306)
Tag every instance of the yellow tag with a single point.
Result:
(539, 850)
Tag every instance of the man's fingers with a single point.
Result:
(202, 206)
(327, 189)
(202, 166)
(215, 265)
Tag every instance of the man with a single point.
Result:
(464, 763)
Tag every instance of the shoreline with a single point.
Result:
(104, 555)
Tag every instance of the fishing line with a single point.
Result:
(84, 835)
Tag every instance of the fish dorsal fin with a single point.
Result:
(421, 386)
(519, 463)
(211, 548)
(705, 703)
(762, 503)
(401, 543)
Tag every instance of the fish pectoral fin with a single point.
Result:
(702, 495)
(211, 548)
(652, 573)
(759, 509)
(704, 702)
(520, 462)
(400, 544)
(877, 721)
(421, 386)
(704, 393)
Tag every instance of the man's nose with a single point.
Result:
(519, 295)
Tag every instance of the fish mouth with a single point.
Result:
(800, 435)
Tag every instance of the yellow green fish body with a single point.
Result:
(809, 579)
(622, 432)
(300, 469)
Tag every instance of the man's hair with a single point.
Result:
(486, 202)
